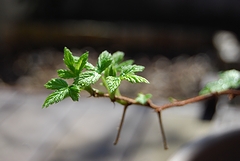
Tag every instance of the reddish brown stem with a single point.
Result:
(230, 92)
(162, 130)
(128, 101)
(121, 124)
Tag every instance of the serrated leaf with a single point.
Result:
(228, 79)
(110, 71)
(69, 59)
(135, 79)
(66, 74)
(142, 99)
(89, 66)
(113, 83)
(87, 78)
(117, 57)
(56, 83)
(81, 62)
(132, 69)
(75, 58)
(56, 97)
(125, 63)
(74, 92)
(104, 60)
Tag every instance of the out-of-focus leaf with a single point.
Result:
(228, 79)
(142, 99)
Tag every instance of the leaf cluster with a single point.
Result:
(111, 69)
(229, 79)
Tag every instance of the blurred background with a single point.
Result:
(183, 45)
(151, 29)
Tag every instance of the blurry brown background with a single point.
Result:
(33, 32)
(183, 45)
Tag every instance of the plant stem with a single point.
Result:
(129, 101)
(162, 130)
(121, 124)
(126, 101)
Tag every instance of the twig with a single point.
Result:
(126, 101)
(230, 92)
(157, 108)
(121, 124)
(162, 130)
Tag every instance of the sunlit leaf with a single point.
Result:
(66, 74)
(56, 97)
(228, 79)
(69, 59)
(80, 64)
(132, 69)
(89, 66)
(142, 99)
(135, 79)
(74, 92)
(113, 83)
(56, 84)
(117, 57)
(104, 60)
(110, 71)
(87, 78)
(126, 63)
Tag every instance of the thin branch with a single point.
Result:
(231, 92)
(162, 130)
(121, 124)
(126, 101)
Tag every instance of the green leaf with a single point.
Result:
(87, 78)
(231, 78)
(142, 99)
(213, 87)
(56, 97)
(75, 58)
(66, 74)
(89, 66)
(56, 83)
(135, 79)
(117, 57)
(80, 64)
(132, 69)
(126, 63)
(228, 79)
(69, 59)
(113, 83)
(104, 60)
(110, 71)
(74, 92)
